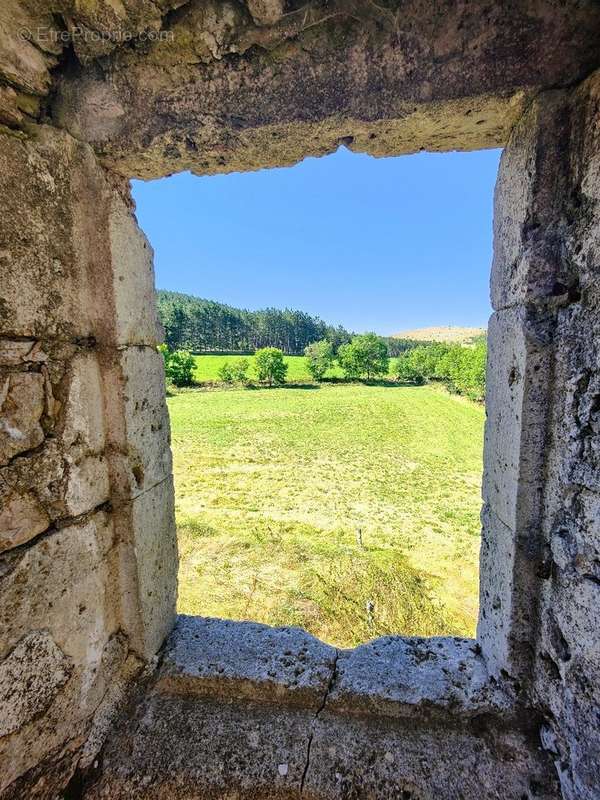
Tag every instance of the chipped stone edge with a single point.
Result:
(415, 678)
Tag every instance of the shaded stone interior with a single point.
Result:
(103, 692)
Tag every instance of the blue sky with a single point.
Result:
(374, 244)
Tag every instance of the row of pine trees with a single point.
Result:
(204, 326)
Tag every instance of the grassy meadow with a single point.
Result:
(350, 510)
(207, 368)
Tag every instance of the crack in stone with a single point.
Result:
(321, 708)
(10, 556)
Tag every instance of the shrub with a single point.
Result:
(366, 355)
(270, 366)
(179, 366)
(235, 372)
(226, 372)
(319, 358)
(240, 370)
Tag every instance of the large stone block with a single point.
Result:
(48, 281)
(498, 629)
(64, 585)
(136, 314)
(30, 678)
(568, 644)
(414, 677)
(74, 262)
(138, 420)
(528, 264)
(148, 566)
(246, 660)
(210, 727)
(42, 475)
(367, 758)
(18, 352)
(29, 45)
(83, 427)
(517, 388)
(389, 81)
(88, 485)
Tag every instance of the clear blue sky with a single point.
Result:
(373, 244)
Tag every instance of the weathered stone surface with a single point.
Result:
(21, 407)
(148, 567)
(519, 360)
(30, 678)
(531, 282)
(528, 264)
(88, 485)
(21, 517)
(16, 352)
(354, 757)
(61, 585)
(568, 643)
(138, 420)
(42, 475)
(203, 748)
(49, 284)
(415, 677)
(36, 32)
(83, 424)
(266, 12)
(240, 660)
(22, 61)
(76, 286)
(244, 86)
(10, 113)
(136, 315)
(191, 738)
(228, 95)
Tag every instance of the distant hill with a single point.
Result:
(451, 334)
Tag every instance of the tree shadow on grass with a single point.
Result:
(385, 382)
(286, 385)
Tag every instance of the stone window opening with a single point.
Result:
(104, 692)
(209, 589)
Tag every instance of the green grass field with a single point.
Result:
(350, 510)
(207, 368)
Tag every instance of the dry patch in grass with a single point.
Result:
(450, 334)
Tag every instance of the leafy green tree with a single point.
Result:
(366, 355)
(179, 366)
(407, 371)
(270, 366)
(319, 358)
(463, 369)
(425, 358)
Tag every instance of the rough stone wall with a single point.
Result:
(540, 584)
(243, 86)
(242, 710)
(87, 544)
(568, 647)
